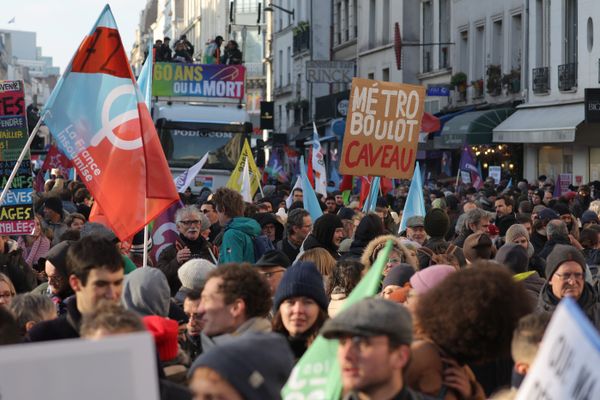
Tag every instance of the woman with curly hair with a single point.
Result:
(467, 318)
(344, 278)
(398, 255)
(300, 306)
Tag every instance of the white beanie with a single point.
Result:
(192, 273)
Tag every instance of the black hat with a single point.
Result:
(436, 223)
(372, 316)
(548, 214)
(273, 258)
(54, 204)
(57, 255)
(514, 256)
(398, 275)
(346, 213)
(301, 279)
(561, 208)
(589, 216)
(561, 254)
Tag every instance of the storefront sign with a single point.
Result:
(324, 71)
(564, 181)
(592, 105)
(495, 172)
(198, 80)
(16, 213)
(382, 129)
(267, 110)
(566, 366)
(438, 91)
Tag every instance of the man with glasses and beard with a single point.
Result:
(190, 222)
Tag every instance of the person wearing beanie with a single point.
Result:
(253, 367)
(165, 333)
(54, 218)
(518, 234)
(57, 287)
(395, 286)
(300, 306)
(436, 225)
(190, 244)
(589, 217)
(146, 292)
(514, 257)
(328, 233)
(192, 275)
(478, 246)
(565, 277)
(272, 265)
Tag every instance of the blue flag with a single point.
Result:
(371, 201)
(145, 79)
(467, 165)
(509, 183)
(311, 203)
(415, 204)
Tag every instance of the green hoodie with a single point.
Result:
(238, 243)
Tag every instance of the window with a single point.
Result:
(279, 117)
(289, 65)
(385, 26)
(570, 29)
(385, 75)
(497, 42)
(427, 36)
(338, 23)
(479, 59)
(542, 33)
(346, 24)
(289, 7)
(371, 75)
(280, 82)
(372, 4)
(355, 17)
(444, 33)
(516, 42)
(464, 52)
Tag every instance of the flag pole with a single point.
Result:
(21, 157)
(145, 258)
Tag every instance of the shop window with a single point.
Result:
(594, 164)
(553, 161)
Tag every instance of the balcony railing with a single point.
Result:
(567, 76)
(301, 41)
(541, 80)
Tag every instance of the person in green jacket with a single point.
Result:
(239, 231)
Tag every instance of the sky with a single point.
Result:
(62, 24)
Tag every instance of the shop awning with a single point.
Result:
(473, 127)
(551, 124)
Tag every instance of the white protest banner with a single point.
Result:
(495, 172)
(382, 129)
(117, 367)
(567, 365)
(465, 176)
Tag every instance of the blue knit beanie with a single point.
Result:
(301, 279)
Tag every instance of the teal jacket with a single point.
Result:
(238, 240)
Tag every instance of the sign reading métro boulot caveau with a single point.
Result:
(382, 129)
(16, 212)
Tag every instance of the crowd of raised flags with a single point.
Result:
(291, 291)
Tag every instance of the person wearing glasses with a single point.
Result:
(565, 277)
(191, 222)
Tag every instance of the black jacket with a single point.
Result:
(549, 246)
(505, 222)
(167, 262)
(538, 241)
(64, 327)
(20, 273)
(589, 303)
(288, 249)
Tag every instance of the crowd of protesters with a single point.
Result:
(465, 296)
(183, 51)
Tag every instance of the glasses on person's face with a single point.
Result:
(567, 276)
(191, 222)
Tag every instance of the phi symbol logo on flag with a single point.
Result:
(109, 125)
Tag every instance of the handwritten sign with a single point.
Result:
(566, 366)
(198, 80)
(382, 129)
(16, 213)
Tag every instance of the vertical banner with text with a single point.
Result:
(382, 129)
(16, 213)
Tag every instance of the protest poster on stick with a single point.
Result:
(382, 129)
(16, 212)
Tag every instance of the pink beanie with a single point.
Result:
(424, 280)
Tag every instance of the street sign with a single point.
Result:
(323, 71)
(438, 91)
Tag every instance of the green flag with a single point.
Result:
(317, 374)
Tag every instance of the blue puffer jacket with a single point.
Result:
(238, 240)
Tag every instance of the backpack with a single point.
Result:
(262, 244)
(448, 257)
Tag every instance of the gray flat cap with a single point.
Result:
(415, 222)
(373, 316)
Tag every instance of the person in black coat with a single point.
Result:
(368, 229)
(328, 233)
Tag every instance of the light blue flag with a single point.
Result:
(311, 204)
(335, 178)
(415, 204)
(371, 201)
(145, 78)
(509, 183)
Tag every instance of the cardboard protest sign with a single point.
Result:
(16, 213)
(117, 367)
(566, 365)
(382, 129)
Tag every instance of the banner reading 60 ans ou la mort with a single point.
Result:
(198, 80)
(382, 129)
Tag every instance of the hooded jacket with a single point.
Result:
(322, 234)
(238, 240)
(369, 228)
(379, 242)
(589, 303)
(146, 292)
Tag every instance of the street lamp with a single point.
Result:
(271, 6)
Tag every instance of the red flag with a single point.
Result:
(386, 185)
(347, 183)
(309, 173)
(365, 187)
(56, 159)
(99, 120)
